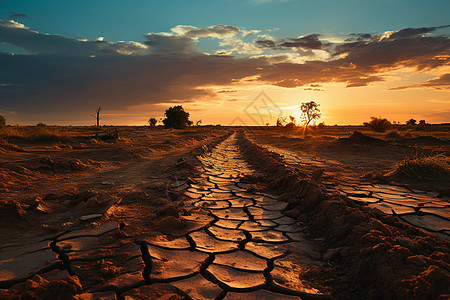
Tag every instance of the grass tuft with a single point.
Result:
(431, 167)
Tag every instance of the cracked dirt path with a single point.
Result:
(243, 248)
(428, 211)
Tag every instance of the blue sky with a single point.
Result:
(129, 20)
(60, 59)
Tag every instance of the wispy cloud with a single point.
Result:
(439, 83)
(14, 15)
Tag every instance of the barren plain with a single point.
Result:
(215, 212)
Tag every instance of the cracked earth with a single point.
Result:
(428, 211)
(243, 247)
(241, 241)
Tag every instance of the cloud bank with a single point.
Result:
(62, 73)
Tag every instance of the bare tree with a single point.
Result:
(97, 116)
(199, 122)
(310, 112)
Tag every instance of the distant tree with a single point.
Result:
(40, 124)
(422, 122)
(198, 123)
(176, 117)
(2, 121)
(310, 112)
(378, 124)
(152, 122)
(281, 121)
(97, 115)
(411, 122)
(321, 125)
(267, 124)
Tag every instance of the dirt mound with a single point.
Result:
(374, 256)
(361, 139)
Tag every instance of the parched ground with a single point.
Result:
(347, 158)
(51, 177)
(200, 214)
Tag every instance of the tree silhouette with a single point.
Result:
(281, 121)
(2, 121)
(198, 123)
(152, 122)
(310, 112)
(411, 122)
(422, 122)
(97, 115)
(177, 118)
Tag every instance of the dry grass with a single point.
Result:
(431, 167)
(34, 134)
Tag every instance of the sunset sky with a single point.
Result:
(240, 62)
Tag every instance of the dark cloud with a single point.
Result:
(414, 32)
(361, 63)
(62, 76)
(440, 82)
(61, 83)
(361, 37)
(13, 15)
(18, 35)
(420, 52)
(308, 42)
(160, 43)
(265, 43)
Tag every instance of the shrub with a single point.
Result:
(177, 118)
(431, 167)
(321, 125)
(411, 122)
(40, 124)
(378, 124)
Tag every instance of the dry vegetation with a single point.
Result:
(35, 133)
(427, 167)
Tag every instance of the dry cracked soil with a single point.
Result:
(223, 218)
